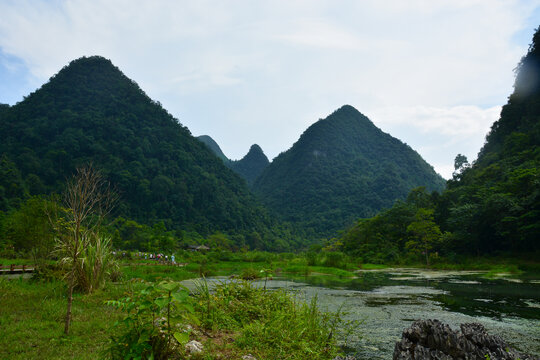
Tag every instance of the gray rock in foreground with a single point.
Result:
(432, 339)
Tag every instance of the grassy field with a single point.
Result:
(31, 319)
(32, 312)
(245, 319)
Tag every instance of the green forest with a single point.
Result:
(342, 168)
(343, 186)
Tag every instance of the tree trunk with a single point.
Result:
(70, 301)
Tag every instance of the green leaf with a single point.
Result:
(161, 302)
(180, 296)
(194, 319)
(169, 286)
(182, 338)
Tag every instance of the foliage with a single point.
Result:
(341, 168)
(28, 229)
(425, 233)
(154, 325)
(97, 265)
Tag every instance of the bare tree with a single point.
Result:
(87, 200)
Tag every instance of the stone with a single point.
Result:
(432, 339)
(249, 357)
(194, 347)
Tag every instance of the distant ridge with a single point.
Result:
(342, 168)
(249, 167)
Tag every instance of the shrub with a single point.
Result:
(98, 264)
(155, 323)
(335, 259)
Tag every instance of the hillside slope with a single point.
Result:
(342, 168)
(494, 204)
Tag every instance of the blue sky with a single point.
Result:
(431, 73)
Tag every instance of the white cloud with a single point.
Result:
(245, 72)
(451, 121)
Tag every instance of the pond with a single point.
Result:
(388, 301)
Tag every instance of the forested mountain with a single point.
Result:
(249, 167)
(91, 112)
(342, 168)
(490, 206)
(494, 204)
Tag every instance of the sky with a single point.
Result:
(432, 73)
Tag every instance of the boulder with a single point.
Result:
(432, 339)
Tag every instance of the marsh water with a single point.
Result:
(386, 302)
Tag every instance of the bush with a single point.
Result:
(98, 264)
(335, 259)
(249, 274)
(154, 323)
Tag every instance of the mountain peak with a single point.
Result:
(88, 66)
(251, 165)
(255, 149)
(347, 108)
(343, 167)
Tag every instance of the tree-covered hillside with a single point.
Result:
(490, 206)
(494, 204)
(249, 167)
(91, 113)
(342, 168)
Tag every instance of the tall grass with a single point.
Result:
(267, 324)
(98, 264)
(94, 266)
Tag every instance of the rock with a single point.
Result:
(432, 339)
(249, 357)
(347, 357)
(194, 347)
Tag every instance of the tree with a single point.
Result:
(28, 229)
(460, 165)
(460, 161)
(87, 200)
(425, 232)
